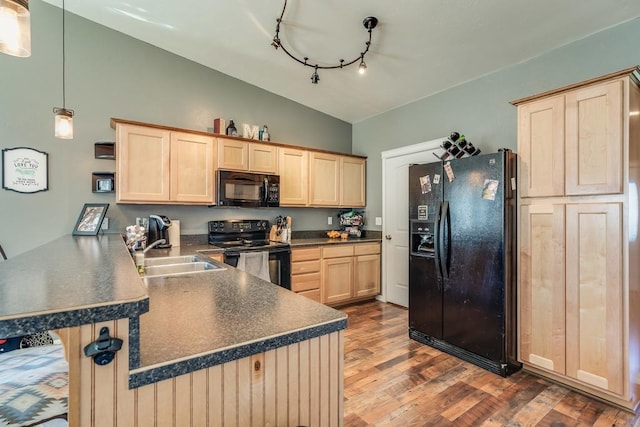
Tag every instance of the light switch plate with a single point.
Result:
(329, 220)
(378, 220)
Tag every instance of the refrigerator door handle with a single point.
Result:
(436, 238)
(444, 258)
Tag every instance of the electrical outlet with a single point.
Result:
(378, 220)
(105, 224)
(329, 220)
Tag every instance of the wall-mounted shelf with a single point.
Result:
(103, 182)
(105, 150)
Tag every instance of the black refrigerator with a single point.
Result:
(462, 278)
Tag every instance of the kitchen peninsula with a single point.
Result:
(209, 348)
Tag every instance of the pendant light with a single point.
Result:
(15, 28)
(63, 116)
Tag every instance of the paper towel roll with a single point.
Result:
(174, 232)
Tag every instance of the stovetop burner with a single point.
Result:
(242, 235)
(241, 242)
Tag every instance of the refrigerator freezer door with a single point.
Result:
(425, 285)
(425, 297)
(473, 299)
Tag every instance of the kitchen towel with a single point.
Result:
(256, 263)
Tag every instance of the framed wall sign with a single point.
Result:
(90, 219)
(25, 170)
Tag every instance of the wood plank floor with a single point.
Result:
(391, 380)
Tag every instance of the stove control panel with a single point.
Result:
(238, 225)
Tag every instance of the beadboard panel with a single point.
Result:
(299, 384)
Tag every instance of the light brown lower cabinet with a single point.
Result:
(573, 303)
(305, 272)
(337, 274)
(366, 270)
(299, 384)
(350, 272)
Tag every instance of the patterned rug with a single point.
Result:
(33, 385)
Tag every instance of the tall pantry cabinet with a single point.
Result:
(579, 256)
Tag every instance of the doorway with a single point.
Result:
(395, 216)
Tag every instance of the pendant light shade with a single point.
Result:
(63, 116)
(15, 28)
(63, 123)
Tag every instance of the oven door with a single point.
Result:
(247, 189)
(279, 263)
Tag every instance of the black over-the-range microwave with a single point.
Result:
(247, 189)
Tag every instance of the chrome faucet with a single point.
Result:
(139, 256)
(154, 244)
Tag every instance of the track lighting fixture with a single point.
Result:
(369, 23)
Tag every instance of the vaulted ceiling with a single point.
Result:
(420, 47)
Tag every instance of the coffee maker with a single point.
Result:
(159, 229)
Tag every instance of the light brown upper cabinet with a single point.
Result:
(293, 165)
(233, 154)
(541, 147)
(160, 164)
(263, 158)
(571, 143)
(155, 165)
(324, 179)
(247, 156)
(353, 179)
(142, 164)
(336, 181)
(593, 140)
(191, 168)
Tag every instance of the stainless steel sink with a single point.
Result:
(172, 260)
(178, 265)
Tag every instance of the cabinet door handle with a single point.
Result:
(388, 237)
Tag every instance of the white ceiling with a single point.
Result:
(420, 47)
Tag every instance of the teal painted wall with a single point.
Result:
(112, 75)
(480, 109)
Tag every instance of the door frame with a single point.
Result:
(406, 151)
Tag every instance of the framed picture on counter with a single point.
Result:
(90, 219)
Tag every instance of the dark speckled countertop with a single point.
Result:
(198, 243)
(207, 318)
(326, 241)
(70, 281)
(178, 324)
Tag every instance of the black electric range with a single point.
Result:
(235, 236)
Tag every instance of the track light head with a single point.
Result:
(315, 78)
(362, 68)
